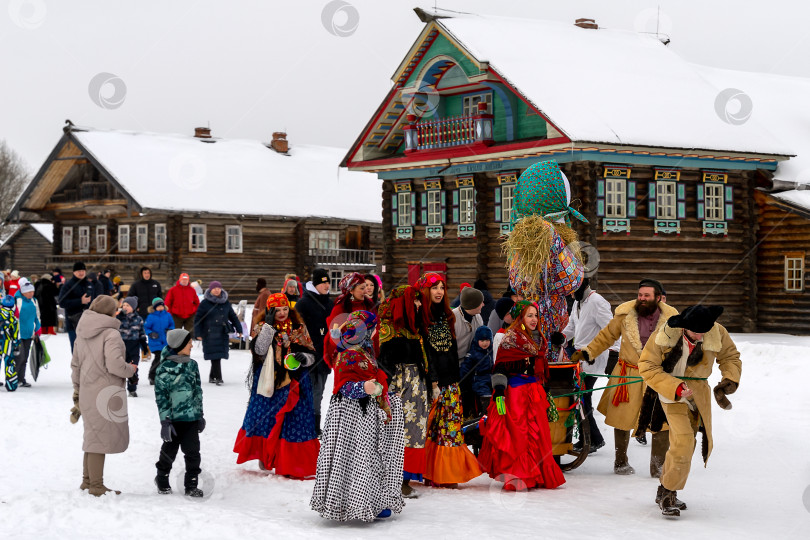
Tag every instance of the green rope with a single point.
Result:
(552, 412)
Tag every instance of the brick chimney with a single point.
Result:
(279, 142)
(587, 23)
(202, 132)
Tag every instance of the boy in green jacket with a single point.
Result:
(178, 393)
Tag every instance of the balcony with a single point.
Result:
(343, 257)
(449, 132)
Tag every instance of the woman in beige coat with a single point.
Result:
(99, 373)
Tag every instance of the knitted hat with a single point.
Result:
(26, 287)
(483, 332)
(117, 280)
(178, 338)
(104, 304)
(158, 302)
(320, 275)
(502, 306)
(214, 285)
(79, 265)
(471, 298)
(183, 276)
(8, 301)
(15, 274)
(132, 301)
(480, 284)
(699, 319)
(464, 286)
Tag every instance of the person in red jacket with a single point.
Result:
(182, 302)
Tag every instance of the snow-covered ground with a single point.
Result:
(757, 484)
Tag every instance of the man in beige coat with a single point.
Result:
(99, 371)
(676, 362)
(634, 322)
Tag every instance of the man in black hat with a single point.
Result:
(314, 307)
(676, 362)
(634, 321)
(75, 297)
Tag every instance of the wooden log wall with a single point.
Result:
(27, 252)
(780, 232)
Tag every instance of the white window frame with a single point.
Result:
(334, 279)
(202, 233)
(141, 238)
(67, 240)
(233, 232)
(434, 207)
(123, 238)
(101, 238)
(466, 205)
(714, 202)
(404, 209)
(83, 241)
(616, 198)
(666, 200)
(160, 237)
(794, 274)
(507, 202)
(470, 103)
(324, 240)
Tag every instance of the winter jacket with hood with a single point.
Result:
(131, 328)
(146, 290)
(156, 325)
(178, 389)
(182, 301)
(98, 374)
(314, 308)
(28, 314)
(477, 365)
(70, 297)
(215, 319)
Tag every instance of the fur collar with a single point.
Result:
(630, 325)
(668, 337)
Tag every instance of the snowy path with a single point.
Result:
(754, 486)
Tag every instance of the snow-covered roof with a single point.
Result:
(9, 232)
(782, 105)
(184, 173)
(795, 197)
(610, 86)
(45, 229)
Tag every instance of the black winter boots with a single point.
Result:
(668, 502)
(162, 483)
(191, 487)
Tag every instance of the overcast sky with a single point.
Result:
(253, 67)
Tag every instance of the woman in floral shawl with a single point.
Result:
(448, 461)
(402, 357)
(360, 463)
(352, 298)
(279, 431)
(517, 438)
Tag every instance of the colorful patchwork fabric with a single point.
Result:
(445, 430)
(541, 191)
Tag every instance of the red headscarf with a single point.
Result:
(424, 284)
(518, 344)
(277, 300)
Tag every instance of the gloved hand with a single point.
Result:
(726, 386)
(76, 397)
(201, 425)
(582, 356)
(167, 430)
(75, 413)
(557, 338)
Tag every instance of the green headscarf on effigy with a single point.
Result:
(541, 192)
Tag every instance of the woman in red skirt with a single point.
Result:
(517, 440)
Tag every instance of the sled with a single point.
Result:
(564, 387)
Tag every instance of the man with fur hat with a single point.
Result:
(634, 322)
(676, 362)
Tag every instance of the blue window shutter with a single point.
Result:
(443, 199)
(394, 214)
(423, 206)
(600, 198)
(455, 206)
(681, 201)
(651, 201)
(631, 198)
(729, 200)
(701, 202)
(413, 209)
(498, 204)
